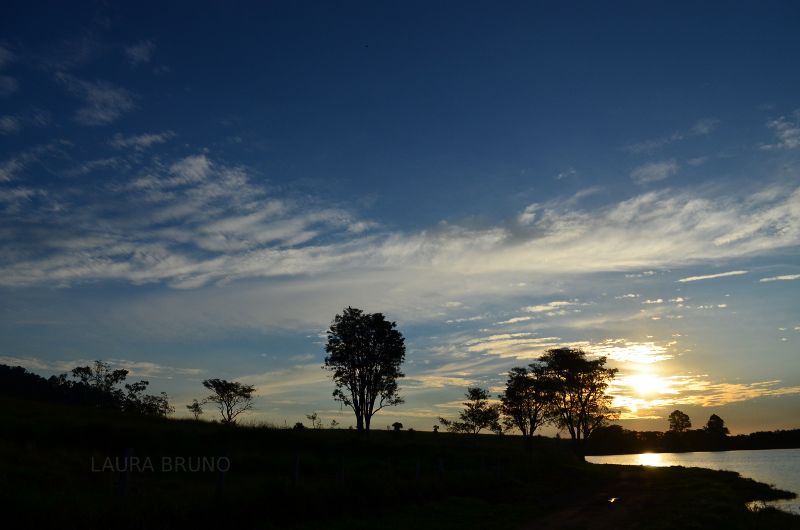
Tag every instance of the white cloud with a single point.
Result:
(195, 221)
(140, 142)
(654, 171)
(640, 274)
(515, 320)
(12, 167)
(549, 307)
(712, 276)
(141, 52)
(787, 132)
(704, 126)
(785, 277)
(656, 301)
(103, 101)
(629, 295)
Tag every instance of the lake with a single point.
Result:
(778, 467)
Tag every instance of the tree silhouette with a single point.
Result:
(231, 397)
(679, 422)
(365, 352)
(196, 408)
(98, 384)
(316, 423)
(148, 405)
(580, 404)
(397, 426)
(716, 426)
(99, 376)
(526, 399)
(478, 414)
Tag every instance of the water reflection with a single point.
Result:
(780, 467)
(651, 459)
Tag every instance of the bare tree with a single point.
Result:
(231, 397)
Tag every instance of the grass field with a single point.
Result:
(52, 476)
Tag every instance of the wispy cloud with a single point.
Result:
(103, 101)
(199, 221)
(91, 166)
(8, 84)
(141, 52)
(13, 166)
(785, 277)
(712, 276)
(701, 127)
(550, 308)
(654, 171)
(665, 392)
(12, 124)
(786, 130)
(140, 142)
(9, 125)
(135, 368)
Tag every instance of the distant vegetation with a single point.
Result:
(562, 387)
(97, 385)
(713, 436)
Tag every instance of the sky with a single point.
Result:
(194, 190)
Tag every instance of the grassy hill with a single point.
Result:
(52, 460)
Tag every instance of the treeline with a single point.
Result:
(613, 439)
(97, 386)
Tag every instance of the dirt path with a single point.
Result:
(616, 506)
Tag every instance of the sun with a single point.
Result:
(647, 384)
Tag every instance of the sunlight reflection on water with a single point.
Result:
(650, 459)
(778, 467)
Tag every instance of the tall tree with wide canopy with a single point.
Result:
(679, 421)
(526, 399)
(231, 397)
(580, 403)
(365, 352)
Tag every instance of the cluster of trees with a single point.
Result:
(680, 436)
(563, 387)
(96, 385)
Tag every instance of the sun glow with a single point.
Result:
(647, 384)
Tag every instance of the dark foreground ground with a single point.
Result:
(61, 467)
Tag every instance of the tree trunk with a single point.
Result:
(359, 423)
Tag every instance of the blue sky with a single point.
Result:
(194, 191)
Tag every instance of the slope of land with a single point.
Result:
(63, 467)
